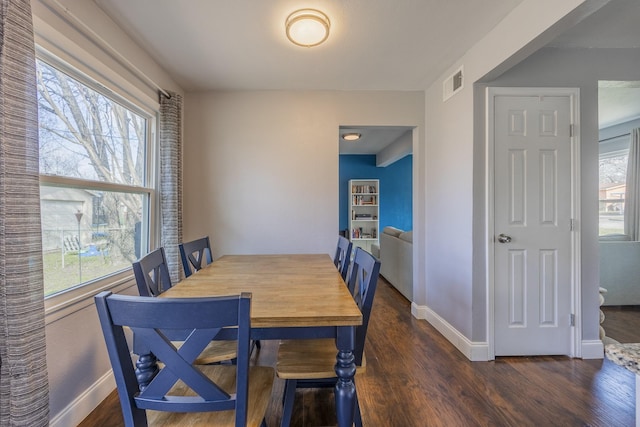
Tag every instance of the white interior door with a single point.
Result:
(532, 225)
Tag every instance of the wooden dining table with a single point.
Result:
(293, 296)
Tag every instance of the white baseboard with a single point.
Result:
(592, 349)
(82, 406)
(479, 351)
(474, 351)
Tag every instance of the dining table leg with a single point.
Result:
(146, 365)
(345, 390)
(146, 369)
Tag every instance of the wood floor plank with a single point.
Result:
(415, 377)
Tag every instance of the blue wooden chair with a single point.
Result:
(152, 274)
(181, 392)
(193, 254)
(343, 256)
(310, 363)
(152, 277)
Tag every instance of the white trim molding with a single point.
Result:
(592, 349)
(474, 351)
(85, 403)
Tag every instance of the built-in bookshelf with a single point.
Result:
(364, 210)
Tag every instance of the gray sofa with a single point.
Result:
(396, 259)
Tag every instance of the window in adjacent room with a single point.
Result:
(96, 191)
(613, 174)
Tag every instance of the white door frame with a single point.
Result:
(576, 295)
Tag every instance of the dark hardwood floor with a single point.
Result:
(622, 322)
(415, 377)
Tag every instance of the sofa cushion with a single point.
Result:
(407, 236)
(392, 231)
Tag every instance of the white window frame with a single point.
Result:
(78, 297)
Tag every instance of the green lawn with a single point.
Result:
(57, 277)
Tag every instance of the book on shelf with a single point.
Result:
(363, 216)
(364, 200)
(359, 233)
(364, 189)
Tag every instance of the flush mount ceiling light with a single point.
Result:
(352, 136)
(307, 27)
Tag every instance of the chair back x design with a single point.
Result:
(180, 387)
(193, 254)
(152, 274)
(343, 256)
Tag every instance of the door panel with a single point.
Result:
(532, 196)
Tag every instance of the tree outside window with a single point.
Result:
(93, 161)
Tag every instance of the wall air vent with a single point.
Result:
(452, 84)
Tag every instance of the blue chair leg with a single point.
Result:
(287, 406)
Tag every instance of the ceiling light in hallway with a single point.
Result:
(353, 136)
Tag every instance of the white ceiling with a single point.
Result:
(241, 44)
(615, 25)
(618, 102)
(373, 45)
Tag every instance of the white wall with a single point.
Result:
(455, 296)
(261, 171)
(77, 362)
(620, 272)
(57, 32)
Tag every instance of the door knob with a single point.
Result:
(503, 238)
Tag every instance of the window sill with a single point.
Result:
(74, 300)
(614, 238)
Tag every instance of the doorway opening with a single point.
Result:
(619, 210)
(383, 158)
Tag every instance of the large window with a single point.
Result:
(95, 169)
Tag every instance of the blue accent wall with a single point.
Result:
(395, 188)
